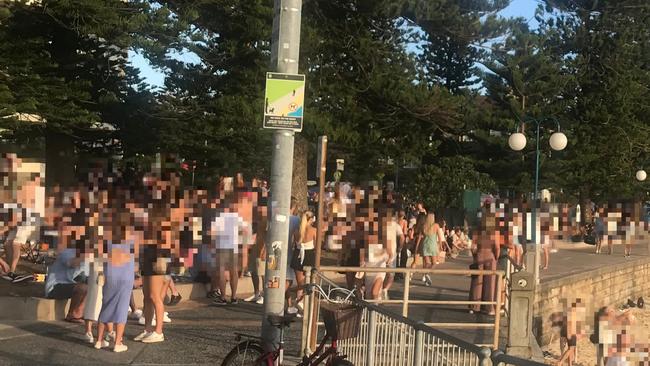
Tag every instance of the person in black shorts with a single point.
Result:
(304, 254)
(571, 327)
(155, 257)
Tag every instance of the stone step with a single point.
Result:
(42, 309)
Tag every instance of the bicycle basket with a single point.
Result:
(342, 321)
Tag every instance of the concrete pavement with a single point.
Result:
(198, 335)
(202, 335)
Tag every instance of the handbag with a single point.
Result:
(576, 238)
(589, 239)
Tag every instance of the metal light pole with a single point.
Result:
(517, 142)
(285, 50)
(521, 339)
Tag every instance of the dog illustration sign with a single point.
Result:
(284, 101)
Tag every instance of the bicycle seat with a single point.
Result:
(280, 321)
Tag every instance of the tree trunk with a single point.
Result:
(299, 180)
(60, 159)
(586, 216)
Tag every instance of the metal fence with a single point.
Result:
(510, 267)
(406, 301)
(388, 339)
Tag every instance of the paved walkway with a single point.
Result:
(202, 335)
(198, 335)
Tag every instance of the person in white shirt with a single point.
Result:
(394, 239)
(228, 230)
(21, 226)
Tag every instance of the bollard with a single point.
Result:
(520, 333)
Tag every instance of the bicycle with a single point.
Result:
(251, 351)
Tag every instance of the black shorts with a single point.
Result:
(154, 261)
(61, 291)
(572, 341)
(308, 261)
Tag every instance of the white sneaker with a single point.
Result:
(89, 338)
(385, 294)
(153, 337)
(426, 279)
(120, 348)
(101, 344)
(260, 300)
(142, 336)
(141, 321)
(166, 319)
(136, 314)
(252, 298)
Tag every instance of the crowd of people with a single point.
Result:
(113, 235)
(617, 336)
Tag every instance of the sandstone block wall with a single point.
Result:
(612, 285)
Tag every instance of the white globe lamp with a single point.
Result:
(641, 175)
(517, 141)
(558, 141)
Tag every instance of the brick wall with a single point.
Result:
(612, 285)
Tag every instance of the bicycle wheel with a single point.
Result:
(244, 354)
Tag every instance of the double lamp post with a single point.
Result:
(517, 142)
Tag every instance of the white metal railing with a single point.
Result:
(406, 301)
(389, 339)
(510, 268)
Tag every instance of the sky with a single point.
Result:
(517, 8)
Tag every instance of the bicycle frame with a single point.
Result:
(331, 351)
(276, 357)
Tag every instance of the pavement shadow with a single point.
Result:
(59, 332)
(17, 359)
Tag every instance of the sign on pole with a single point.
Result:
(340, 164)
(284, 101)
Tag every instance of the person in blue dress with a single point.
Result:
(118, 280)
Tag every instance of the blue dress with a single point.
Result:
(118, 286)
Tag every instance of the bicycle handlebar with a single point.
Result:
(310, 287)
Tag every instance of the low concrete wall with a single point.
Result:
(610, 285)
(32, 308)
(35, 308)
